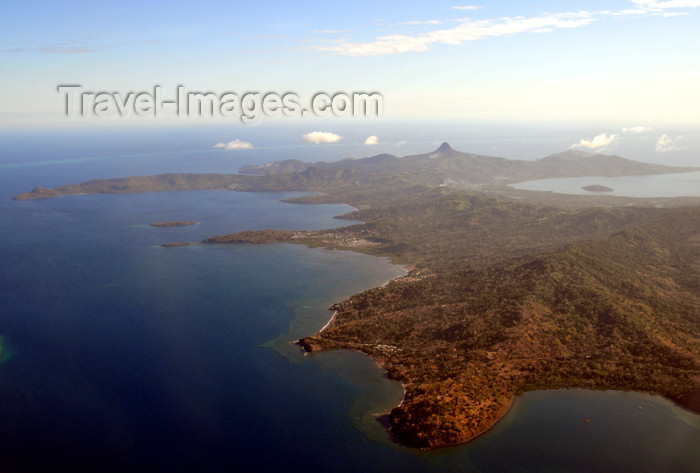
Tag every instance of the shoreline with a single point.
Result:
(389, 281)
(335, 312)
(506, 407)
(384, 417)
(381, 417)
(384, 420)
(480, 434)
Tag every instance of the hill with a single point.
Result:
(442, 229)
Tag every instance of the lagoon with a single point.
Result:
(658, 185)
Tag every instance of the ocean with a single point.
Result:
(121, 355)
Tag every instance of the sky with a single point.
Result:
(631, 65)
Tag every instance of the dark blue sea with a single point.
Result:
(119, 355)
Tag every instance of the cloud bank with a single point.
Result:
(317, 137)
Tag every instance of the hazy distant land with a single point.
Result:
(442, 167)
(508, 291)
(183, 223)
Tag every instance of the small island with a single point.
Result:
(176, 244)
(174, 224)
(597, 188)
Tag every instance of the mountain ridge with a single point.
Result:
(446, 163)
(443, 166)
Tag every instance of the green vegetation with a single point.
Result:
(442, 229)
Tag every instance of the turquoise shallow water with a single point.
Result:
(125, 356)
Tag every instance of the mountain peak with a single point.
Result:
(444, 148)
(443, 151)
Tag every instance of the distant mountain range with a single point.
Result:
(447, 166)
(441, 167)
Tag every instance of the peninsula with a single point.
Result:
(508, 292)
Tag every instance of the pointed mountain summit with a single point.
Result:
(444, 148)
(443, 151)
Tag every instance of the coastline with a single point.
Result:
(332, 344)
(490, 423)
(379, 417)
(488, 429)
(335, 312)
(307, 389)
(399, 441)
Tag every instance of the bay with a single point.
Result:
(657, 185)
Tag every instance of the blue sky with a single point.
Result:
(630, 63)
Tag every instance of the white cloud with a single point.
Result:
(372, 140)
(391, 44)
(418, 22)
(235, 144)
(317, 137)
(467, 30)
(665, 143)
(658, 8)
(656, 5)
(599, 143)
(636, 129)
(472, 30)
